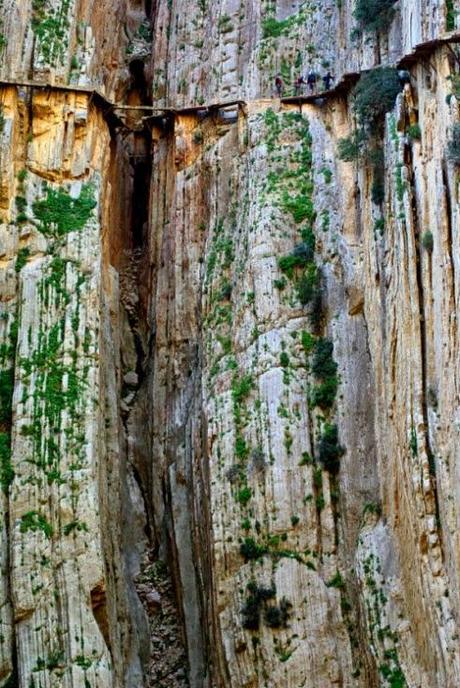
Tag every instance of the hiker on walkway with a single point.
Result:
(327, 81)
(279, 86)
(311, 80)
(298, 83)
(404, 77)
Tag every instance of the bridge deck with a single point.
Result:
(43, 84)
(341, 88)
(424, 49)
(88, 90)
(94, 92)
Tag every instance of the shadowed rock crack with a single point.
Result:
(168, 660)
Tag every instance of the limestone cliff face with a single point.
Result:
(234, 51)
(228, 358)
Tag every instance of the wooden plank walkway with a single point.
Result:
(95, 93)
(155, 113)
(342, 88)
(45, 85)
(349, 80)
(425, 49)
(88, 90)
(212, 107)
(113, 111)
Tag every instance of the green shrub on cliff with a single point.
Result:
(375, 95)
(394, 676)
(252, 607)
(450, 15)
(308, 284)
(427, 241)
(350, 147)
(330, 450)
(224, 24)
(6, 468)
(414, 132)
(244, 495)
(300, 256)
(249, 549)
(6, 395)
(241, 388)
(34, 521)
(323, 364)
(21, 258)
(324, 368)
(300, 206)
(336, 581)
(59, 213)
(374, 15)
(272, 28)
(453, 146)
(50, 26)
(277, 616)
(323, 395)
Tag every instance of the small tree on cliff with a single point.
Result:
(373, 96)
(453, 146)
(374, 15)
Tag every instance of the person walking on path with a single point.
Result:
(279, 86)
(404, 77)
(311, 80)
(298, 83)
(327, 81)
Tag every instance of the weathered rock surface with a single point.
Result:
(228, 359)
(236, 50)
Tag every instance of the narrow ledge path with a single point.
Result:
(318, 98)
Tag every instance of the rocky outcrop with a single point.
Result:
(70, 613)
(227, 356)
(235, 51)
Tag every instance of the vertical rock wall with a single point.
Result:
(381, 602)
(228, 378)
(417, 461)
(50, 424)
(71, 547)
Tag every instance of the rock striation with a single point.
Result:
(229, 345)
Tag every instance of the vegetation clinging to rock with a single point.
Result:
(59, 213)
(275, 616)
(330, 450)
(374, 15)
(252, 607)
(453, 146)
(374, 95)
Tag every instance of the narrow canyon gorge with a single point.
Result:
(229, 344)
